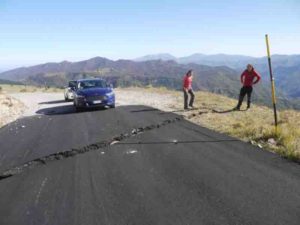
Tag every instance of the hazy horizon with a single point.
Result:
(6, 68)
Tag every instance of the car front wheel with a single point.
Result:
(78, 109)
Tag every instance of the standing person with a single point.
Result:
(187, 89)
(248, 78)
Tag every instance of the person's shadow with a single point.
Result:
(228, 111)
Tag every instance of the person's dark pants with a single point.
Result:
(186, 98)
(245, 91)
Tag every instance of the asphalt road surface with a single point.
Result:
(138, 165)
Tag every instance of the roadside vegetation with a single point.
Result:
(10, 109)
(255, 125)
(12, 88)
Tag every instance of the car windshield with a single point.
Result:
(92, 84)
(72, 84)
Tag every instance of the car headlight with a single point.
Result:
(80, 96)
(109, 94)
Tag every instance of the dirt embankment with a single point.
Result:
(10, 109)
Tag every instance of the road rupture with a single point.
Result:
(92, 147)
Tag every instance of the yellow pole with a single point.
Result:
(272, 82)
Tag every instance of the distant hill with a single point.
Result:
(216, 79)
(51, 69)
(126, 72)
(233, 61)
(288, 79)
(162, 56)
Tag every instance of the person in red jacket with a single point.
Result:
(248, 78)
(187, 89)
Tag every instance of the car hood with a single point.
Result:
(94, 91)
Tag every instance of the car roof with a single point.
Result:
(88, 79)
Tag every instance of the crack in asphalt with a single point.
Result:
(92, 147)
(176, 142)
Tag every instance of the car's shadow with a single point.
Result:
(144, 110)
(53, 102)
(64, 109)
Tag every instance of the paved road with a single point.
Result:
(164, 170)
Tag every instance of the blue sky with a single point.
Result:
(35, 31)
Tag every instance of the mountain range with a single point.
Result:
(127, 72)
(214, 73)
(233, 61)
(286, 68)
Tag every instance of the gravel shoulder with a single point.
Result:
(36, 101)
(18, 105)
(10, 109)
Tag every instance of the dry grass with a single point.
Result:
(10, 109)
(255, 125)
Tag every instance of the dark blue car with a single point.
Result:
(91, 93)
